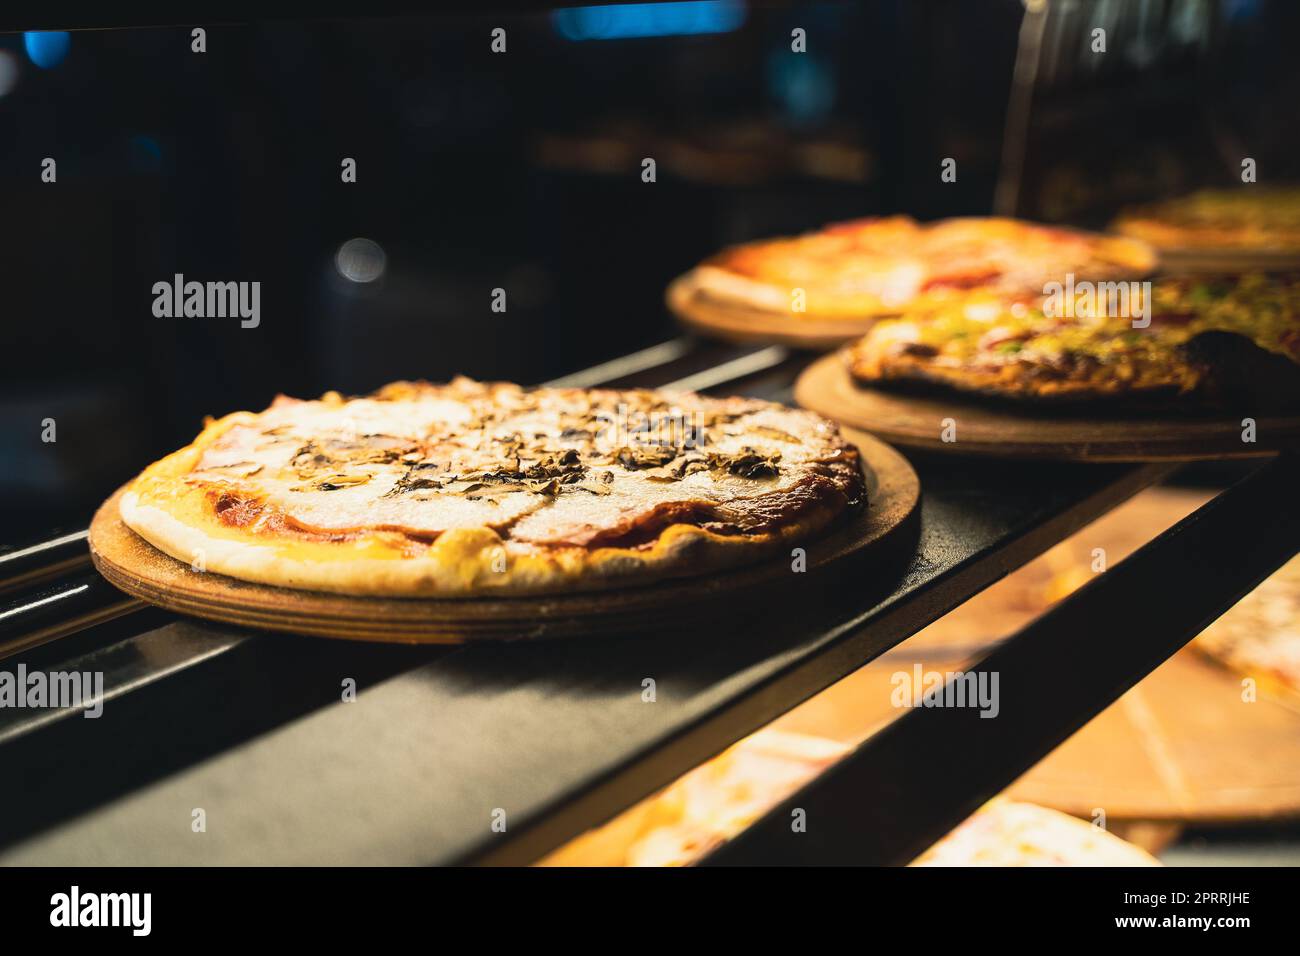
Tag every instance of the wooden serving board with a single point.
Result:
(918, 422)
(720, 319)
(141, 570)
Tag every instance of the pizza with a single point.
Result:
(1011, 833)
(1259, 637)
(884, 266)
(707, 806)
(1246, 219)
(473, 488)
(1211, 341)
(711, 804)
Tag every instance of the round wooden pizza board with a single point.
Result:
(919, 422)
(719, 319)
(141, 570)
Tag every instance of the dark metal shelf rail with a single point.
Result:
(41, 560)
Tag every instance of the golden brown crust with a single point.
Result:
(470, 488)
(1011, 381)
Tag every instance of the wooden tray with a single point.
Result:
(720, 319)
(825, 387)
(136, 567)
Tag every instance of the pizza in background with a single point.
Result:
(703, 809)
(1210, 341)
(723, 797)
(884, 266)
(471, 488)
(1009, 833)
(1259, 636)
(1249, 218)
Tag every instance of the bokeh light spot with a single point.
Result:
(361, 260)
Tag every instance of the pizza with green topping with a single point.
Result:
(1212, 342)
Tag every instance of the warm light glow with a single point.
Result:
(361, 260)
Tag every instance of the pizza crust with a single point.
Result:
(1008, 381)
(174, 511)
(459, 564)
(721, 284)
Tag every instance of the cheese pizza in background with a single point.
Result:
(884, 266)
(719, 799)
(470, 488)
(706, 806)
(1249, 218)
(1259, 636)
(1009, 833)
(1210, 342)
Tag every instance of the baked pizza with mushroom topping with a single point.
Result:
(1210, 342)
(473, 488)
(884, 266)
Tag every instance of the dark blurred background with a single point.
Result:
(521, 170)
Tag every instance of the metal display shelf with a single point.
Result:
(249, 726)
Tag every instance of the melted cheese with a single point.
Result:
(539, 467)
(891, 263)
